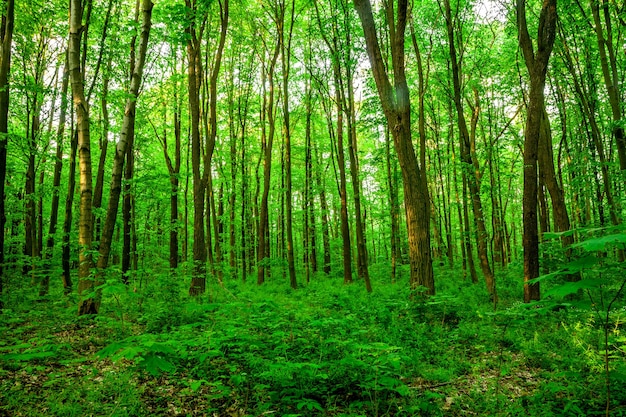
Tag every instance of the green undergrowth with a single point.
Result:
(325, 349)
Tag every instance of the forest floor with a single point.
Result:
(323, 350)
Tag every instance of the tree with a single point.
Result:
(471, 170)
(537, 65)
(285, 53)
(6, 38)
(268, 129)
(126, 137)
(81, 110)
(397, 108)
(194, 32)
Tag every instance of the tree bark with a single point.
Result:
(537, 65)
(269, 115)
(6, 34)
(194, 72)
(56, 182)
(468, 157)
(81, 108)
(397, 108)
(126, 138)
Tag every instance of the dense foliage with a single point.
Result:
(312, 207)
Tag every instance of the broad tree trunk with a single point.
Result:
(397, 108)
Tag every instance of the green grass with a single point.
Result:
(323, 350)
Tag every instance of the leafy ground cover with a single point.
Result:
(323, 350)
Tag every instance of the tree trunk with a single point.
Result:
(468, 157)
(194, 77)
(211, 139)
(608, 64)
(126, 139)
(537, 65)
(397, 108)
(56, 182)
(81, 109)
(268, 113)
(6, 34)
(285, 47)
(104, 145)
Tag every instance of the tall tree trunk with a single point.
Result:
(537, 65)
(268, 114)
(194, 77)
(397, 108)
(211, 138)
(68, 220)
(125, 141)
(468, 157)
(56, 182)
(104, 145)
(343, 193)
(608, 64)
(6, 34)
(174, 171)
(326, 267)
(285, 53)
(81, 109)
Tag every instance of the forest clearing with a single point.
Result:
(312, 208)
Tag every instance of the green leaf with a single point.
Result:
(600, 243)
(571, 288)
(195, 385)
(110, 350)
(155, 364)
(556, 235)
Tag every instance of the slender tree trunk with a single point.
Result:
(174, 172)
(394, 207)
(263, 252)
(104, 145)
(343, 193)
(285, 46)
(6, 34)
(326, 267)
(81, 109)
(194, 77)
(126, 139)
(468, 157)
(212, 135)
(537, 65)
(67, 222)
(56, 182)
